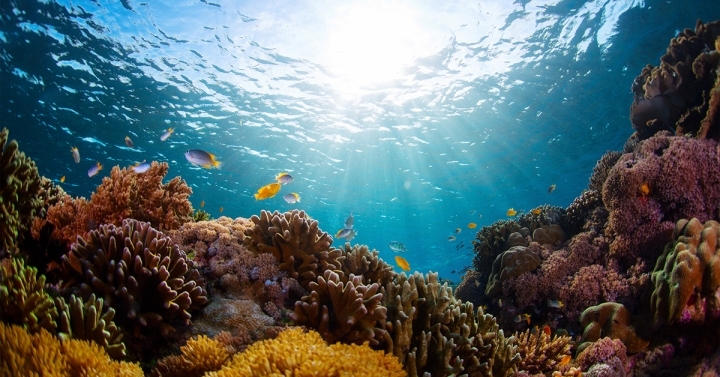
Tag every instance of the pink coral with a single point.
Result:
(602, 351)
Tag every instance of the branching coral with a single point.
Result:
(66, 219)
(198, 356)
(301, 354)
(86, 321)
(23, 300)
(360, 261)
(539, 353)
(613, 320)
(686, 278)
(19, 192)
(138, 272)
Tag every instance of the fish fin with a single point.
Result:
(217, 164)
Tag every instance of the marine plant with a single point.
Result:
(23, 300)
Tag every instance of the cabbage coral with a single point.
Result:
(23, 300)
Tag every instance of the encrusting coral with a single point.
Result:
(304, 354)
(86, 321)
(199, 355)
(137, 271)
(23, 300)
(19, 192)
(539, 352)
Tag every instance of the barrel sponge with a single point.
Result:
(19, 191)
(509, 264)
(687, 275)
(137, 271)
(23, 300)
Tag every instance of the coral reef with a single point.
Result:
(613, 320)
(65, 220)
(23, 300)
(509, 264)
(138, 272)
(198, 356)
(86, 321)
(580, 209)
(686, 278)
(243, 320)
(601, 170)
(295, 352)
(360, 261)
(549, 234)
(19, 192)
(200, 215)
(603, 351)
(540, 353)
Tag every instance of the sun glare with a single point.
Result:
(369, 43)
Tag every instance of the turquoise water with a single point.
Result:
(417, 117)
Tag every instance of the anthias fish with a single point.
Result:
(95, 169)
(167, 134)
(284, 178)
(201, 158)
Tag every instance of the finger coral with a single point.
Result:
(199, 355)
(360, 261)
(138, 272)
(539, 353)
(297, 353)
(686, 278)
(19, 192)
(86, 321)
(23, 300)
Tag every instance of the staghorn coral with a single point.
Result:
(509, 264)
(138, 272)
(23, 300)
(539, 353)
(19, 192)
(613, 320)
(143, 197)
(198, 356)
(682, 180)
(686, 279)
(301, 354)
(86, 321)
(300, 247)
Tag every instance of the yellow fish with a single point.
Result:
(511, 212)
(536, 211)
(202, 203)
(644, 189)
(525, 317)
(62, 179)
(267, 191)
(402, 263)
(555, 304)
(551, 188)
(472, 225)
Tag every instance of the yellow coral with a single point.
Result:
(297, 353)
(86, 358)
(199, 355)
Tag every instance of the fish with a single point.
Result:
(350, 221)
(128, 142)
(167, 134)
(141, 167)
(511, 212)
(267, 191)
(201, 158)
(94, 169)
(453, 272)
(472, 225)
(284, 178)
(402, 263)
(202, 203)
(565, 359)
(551, 188)
(452, 238)
(536, 211)
(75, 154)
(292, 197)
(500, 302)
(524, 317)
(62, 179)
(472, 212)
(221, 209)
(547, 330)
(458, 230)
(555, 304)
(397, 247)
(346, 233)
(644, 189)
(480, 215)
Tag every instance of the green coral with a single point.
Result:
(86, 321)
(23, 300)
(200, 215)
(19, 189)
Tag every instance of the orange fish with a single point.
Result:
(547, 330)
(536, 211)
(402, 263)
(472, 225)
(565, 360)
(644, 189)
(62, 179)
(524, 317)
(267, 191)
(511, 212)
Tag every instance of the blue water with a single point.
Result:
(418, 117)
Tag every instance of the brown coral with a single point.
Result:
(613, 320)
(539, 353)
(23, 299)
(360, 261)
(510, 264)
(86, 321)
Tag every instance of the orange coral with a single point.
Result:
(198, 356)
(539, 353)
(68, 217)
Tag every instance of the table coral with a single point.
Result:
(613, 320)
(19, 192)
(540, 353)
(23, 299)
(686, 278)
(137, 271)
(86, 321)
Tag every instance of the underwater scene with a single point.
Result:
(360, 188)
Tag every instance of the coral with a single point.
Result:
(23, 300)
(138, 272)
(86, 321)
(601, 170)
(19, 192)
(686, 279)
(300, 247)
(297, 353)
(244, 320)
(143, 197)
(469, 288)
(602, 350)
(580, 209)
(509, 264)
(200, 215)
(682, 180)
(549, 234)
(539, 353)
(613, 320)
(591, 285)
(360, 261)
(67, 220)
(27, 354)
(676, 94)
(198, 356)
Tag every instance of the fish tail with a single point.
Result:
(217, 164)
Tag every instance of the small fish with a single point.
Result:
(75, 154)
(547, 330)
(94, 170)
(555, 304)
(565, 360)
(267, 191)
(644, 189)
(397, 247)
(480, 215)
(141, 167)
(536, 211)
(221, 209)
(167, 134)
(201, 158)
(473, 212)
(346, 233)
(452, 238)
(458, 230)
(350, 221)
(128, 142)
(511, 212)
(202, 203)
(472, 225)
(551, 188)
(402, 263)
(524, 317)
(500, 302)
(62, 179)
(453, 272)
(292, 197)
(284, 178)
